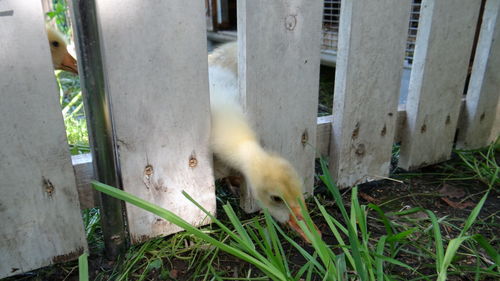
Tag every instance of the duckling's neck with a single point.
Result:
(233, 141)
(253, 157)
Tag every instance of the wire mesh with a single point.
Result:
(331, 17)
(412, 30)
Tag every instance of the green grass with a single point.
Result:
(466, 165)
(480, 164)
(265, 248)
(72, 110)
(83, 267)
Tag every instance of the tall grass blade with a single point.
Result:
(330, 221)
(488, 248)
(271, 271)
(353, 239)
(437, 240)
(473, 215)
(379, 263)
(450, 253)
(83, 267)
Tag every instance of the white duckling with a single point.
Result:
(273, 180)
(61, 58)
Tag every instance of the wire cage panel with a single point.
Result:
(331, 18)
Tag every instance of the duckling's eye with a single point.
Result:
(276, 199)
(55, 43)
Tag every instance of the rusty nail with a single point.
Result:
(193, 162)
(49, 187)
(148, 171)
(305, 138)
(481, 118)
(448, 120)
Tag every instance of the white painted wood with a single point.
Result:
(84, 174)
(323, 135)
(370, 58)
(478, 127)
(400, 123)
(155, 61)
(443, 47)
(279, 57)
(39, 210)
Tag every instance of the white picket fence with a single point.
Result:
(155, 62)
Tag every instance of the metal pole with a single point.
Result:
(98, 111)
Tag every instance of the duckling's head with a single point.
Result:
(276, 184)
(61, 58)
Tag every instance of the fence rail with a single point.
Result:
(156, 77)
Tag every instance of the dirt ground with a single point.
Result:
(426, 189)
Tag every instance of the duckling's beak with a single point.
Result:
(293, 223)
(69, 63)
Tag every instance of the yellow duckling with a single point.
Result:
(61, 58)
(273, 180)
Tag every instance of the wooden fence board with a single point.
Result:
(39, 210)
(370, 58)
(279, 57)
(443, 47)
(155, 61)
(479, 125)
(84, 174)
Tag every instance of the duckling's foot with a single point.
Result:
(234, 183)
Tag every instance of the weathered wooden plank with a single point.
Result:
(443, 47)
(279, 56)
(370, 58)
(39, 209)
(157, 75)
(84, 173)
(478, 124)
(323, 134)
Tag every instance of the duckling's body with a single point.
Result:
(273, 180)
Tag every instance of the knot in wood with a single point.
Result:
(423, 128)
(355, 132)
(384, 131)
(290, 22)
(360, 150)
